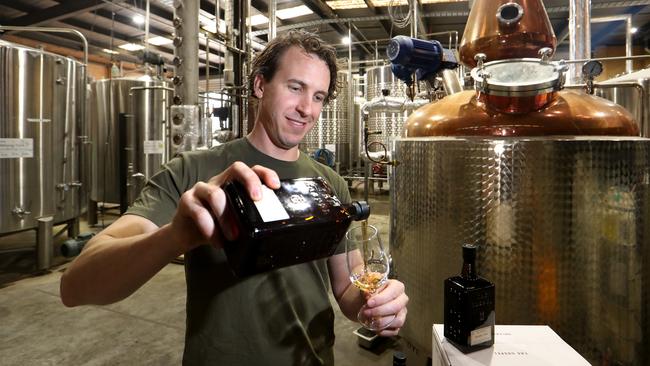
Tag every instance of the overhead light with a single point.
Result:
(159, 41)
(633, 30)
(293, 12)
(131, 47)
(110, 51)
(138, 19)
(345, 40)
(259, 19)
(346, 4)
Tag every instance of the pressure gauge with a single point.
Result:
(591, 69)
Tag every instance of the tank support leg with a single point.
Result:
(92, 213)
(73, 228)
(44, 243)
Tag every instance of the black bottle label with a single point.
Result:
(269, 207)
(481, 335)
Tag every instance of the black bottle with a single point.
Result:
(399, 359)
(301, 221)
(469, 307)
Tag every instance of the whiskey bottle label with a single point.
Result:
(480, 335)
(270, 207)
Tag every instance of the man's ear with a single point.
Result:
(258, 86)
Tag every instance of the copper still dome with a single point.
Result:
(505, 29)
(516, 95)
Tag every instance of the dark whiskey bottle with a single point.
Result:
(469, 307)
(301, 221)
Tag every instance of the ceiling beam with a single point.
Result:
(384, 23)
(322, 10)
(64, 10)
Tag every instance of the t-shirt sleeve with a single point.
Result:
(159, 198)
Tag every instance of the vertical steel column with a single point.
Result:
(351, 94)
(579, 36)
(187, 48)
(273, 21)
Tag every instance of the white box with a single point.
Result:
(514, 345)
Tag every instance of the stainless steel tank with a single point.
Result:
(380, 80)
(635, 99)
(563, 225)
(41, 97)
(144, 101)
(332, 131)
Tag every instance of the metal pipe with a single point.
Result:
(450, 82)
(351, 92)
(607, 59)
(579, 35)
(44, 243)
(627, 18)
(414, 17)
(149, 88)
(207, 65)
(52, 30)
(217, 7)
(146, 27)
(273, 21)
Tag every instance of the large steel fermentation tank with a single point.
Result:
(142, 104)
(333, 129)
(41, 104)
(553, 185)
(632, 91)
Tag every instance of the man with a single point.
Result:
(282, 317)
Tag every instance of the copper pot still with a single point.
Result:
(519, 90)
(544, 179)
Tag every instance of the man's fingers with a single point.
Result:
(268, 176)
(390, 308)
(395, 326)
(392, 290)
(195, 211)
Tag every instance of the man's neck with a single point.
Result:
(261, 141)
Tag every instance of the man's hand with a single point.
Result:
(390, 301)
(202, 215)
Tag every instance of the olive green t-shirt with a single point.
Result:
(282, 317)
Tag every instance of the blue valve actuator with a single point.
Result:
(423, 57)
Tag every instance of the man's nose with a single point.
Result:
(304, 106)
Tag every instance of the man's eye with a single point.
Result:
(294, 88)
(319, 98)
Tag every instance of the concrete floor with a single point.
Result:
(145, 329)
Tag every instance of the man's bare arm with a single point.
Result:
(118, 261)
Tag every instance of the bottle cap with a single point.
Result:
(399, 359)
(362, 210)
(469, 252)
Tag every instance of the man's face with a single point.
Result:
(291, 101)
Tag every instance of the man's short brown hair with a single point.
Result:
(266, 63)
